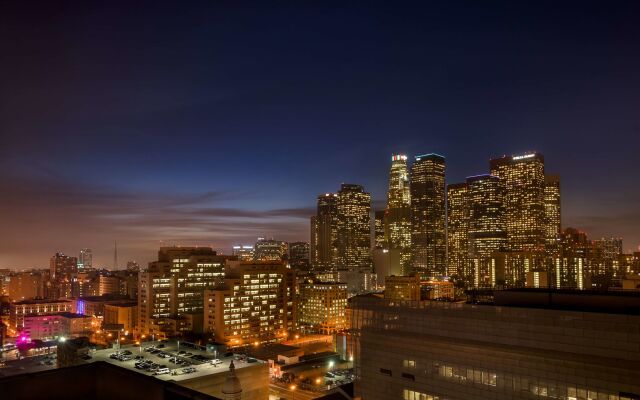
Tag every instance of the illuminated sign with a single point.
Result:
(398, 157)
(515, 158)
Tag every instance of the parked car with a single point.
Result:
(162, 371)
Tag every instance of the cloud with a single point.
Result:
(42, 215)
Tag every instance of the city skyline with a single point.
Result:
(105, 256)
(215, 125)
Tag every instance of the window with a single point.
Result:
(408, 376)
(409, 363)
(385, 371)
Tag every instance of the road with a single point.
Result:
(283, 392)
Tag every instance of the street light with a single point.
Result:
(293, 391)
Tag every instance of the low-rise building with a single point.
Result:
(64, 324)
(402, 287)
(19, 310)
(125, 314)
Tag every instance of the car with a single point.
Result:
(149, 348)
(160, 346)
(181, 352)
(216, 361)
(126, 352)
(189, 370)
(162, 355)
(125, 358)
(162, 371)
(114, 356)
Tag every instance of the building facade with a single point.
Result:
(322, 307)
(324, 233)
(452, 351)
(524, 182)
(354, 228)
(254, 304)
(428, 237)
(397, 219)
(458, 231)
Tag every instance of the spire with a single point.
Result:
(231, 387)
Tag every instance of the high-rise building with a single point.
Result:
(487, 225)
(243, 252)
(570, 268)
(354, 227)
(299, 255)
(270, 250)
(174, 285)
(62, 266)
(324, 233)
(398, 215)
(524, 182)
(255, 304)
(379, 239)
(322, 307)
(553, 220)
(428, 237)
(458, 231)
(85, 260)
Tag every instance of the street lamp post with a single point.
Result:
(293, 391)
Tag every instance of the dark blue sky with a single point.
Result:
(216, 122)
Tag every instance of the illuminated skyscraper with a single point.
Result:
(553, 226)
(398, 216)
(487, 225)
(85, 261)
(324, 233)
(354, 227)
(458, 231)
(380, 242)
(428, 239)
(299, 255)
(524, 181)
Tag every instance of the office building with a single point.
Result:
(524, 182)
(321, 307)
(324, 233)
(487, 224)
(25, 285)
(532, 344)
(354, 228)
(243, 252)
(397, 220)
(55, 325)
(402, 287)
(122, 313)
(379, 239)
(270, 250)
(255, 304)
(458, 232)
(21, 309)
(428, 238)
(174, 285)
(299, 255)
(62, 266)
(553, 212)
(85, 260)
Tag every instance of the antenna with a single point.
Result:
(115, 255)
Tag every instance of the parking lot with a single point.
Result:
(180, 363)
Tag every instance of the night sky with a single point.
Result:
(219, 122)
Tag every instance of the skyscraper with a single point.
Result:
(270, 250)
(379, 241)
(458, 231)
(85, 261)
(428, 238)
(524, 182)
(299, 255)
(354, 227)
(398, 215)
(553, 222)
(487, 225)
(324, 233)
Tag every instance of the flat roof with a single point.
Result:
(40, 301)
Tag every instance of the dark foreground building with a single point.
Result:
(535, 345)
(93, 381)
